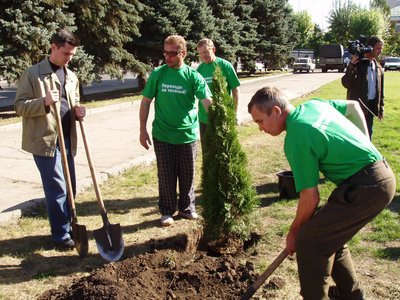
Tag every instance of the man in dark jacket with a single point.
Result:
(364, 82)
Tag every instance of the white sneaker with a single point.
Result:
(188, 215)
(167, 220)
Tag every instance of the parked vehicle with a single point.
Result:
(276, 67)
(303, 64)
(392, 63)
(332, 57)
(260, 66)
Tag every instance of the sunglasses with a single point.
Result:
(171, 53)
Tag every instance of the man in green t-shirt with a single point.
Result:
(175, 88)
(330, 137)
(206, 50)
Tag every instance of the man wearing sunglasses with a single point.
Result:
(210, 62)
(175, 88)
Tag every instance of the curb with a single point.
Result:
(9, 216)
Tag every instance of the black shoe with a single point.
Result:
(64, 245)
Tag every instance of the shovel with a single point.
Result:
(79, 231)
(108, 238)
(264, 276)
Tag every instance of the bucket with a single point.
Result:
(287, 188)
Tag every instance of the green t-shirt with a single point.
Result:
(207, 71)
(176, 107)
(320, 138)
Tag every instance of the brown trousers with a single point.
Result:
(321, 248)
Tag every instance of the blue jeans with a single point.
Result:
(55, 190)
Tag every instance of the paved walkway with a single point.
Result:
(113, 133)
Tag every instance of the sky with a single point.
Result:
(319, 9)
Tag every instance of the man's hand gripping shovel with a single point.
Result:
(79, 233)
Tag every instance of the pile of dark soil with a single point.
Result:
(164, 274)
(173, 270)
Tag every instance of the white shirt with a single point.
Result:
(371, 77)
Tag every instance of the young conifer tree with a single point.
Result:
(229, 199)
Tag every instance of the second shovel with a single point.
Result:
(108, 238)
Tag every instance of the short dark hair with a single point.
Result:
(64, 35)
(266, 98)
(373, 40)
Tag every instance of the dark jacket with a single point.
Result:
(355, 80)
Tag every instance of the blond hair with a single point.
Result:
(176, 40)
(205, 41)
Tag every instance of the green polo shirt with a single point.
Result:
(176, 107)
(319, 138)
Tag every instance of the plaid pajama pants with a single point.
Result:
(175, 164)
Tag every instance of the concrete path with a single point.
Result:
(113, 134)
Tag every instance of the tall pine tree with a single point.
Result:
(25, 30)
(228, 27)
(160, 19)
(248, 35)
(229, 199)
(105, 27)
(276, 37)
(203, 25)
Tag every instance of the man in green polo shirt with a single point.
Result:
(330, 137)
(210, 62)
(175, 88)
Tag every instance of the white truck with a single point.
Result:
(303, 64)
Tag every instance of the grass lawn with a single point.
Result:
(30, 266)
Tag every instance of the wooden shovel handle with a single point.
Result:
(64, 160)
(264, 276)
(95, 184)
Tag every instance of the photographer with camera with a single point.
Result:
(364, 78)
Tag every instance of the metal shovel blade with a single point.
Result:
(109, 241)
(80, 239)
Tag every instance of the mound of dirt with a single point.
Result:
(173, 270)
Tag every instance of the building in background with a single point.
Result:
(395, 13)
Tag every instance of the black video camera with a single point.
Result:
(358, 47)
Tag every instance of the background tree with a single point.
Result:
(317, 39)
(368, 22)
(392, 41)
(228, 27)
(118, 36)
(105, 26)
(339, 22)
(380, 5)
(275, 31)
(160, 19)
(305, 28)
(248, 35)
(25, 30)
(203, 26)
(229, 199)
